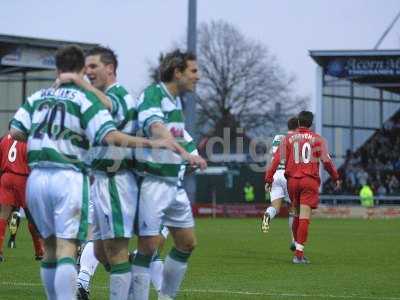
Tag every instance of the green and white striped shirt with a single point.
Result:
(112, 159)
(62, 125)
(156, 104)
(275, 144)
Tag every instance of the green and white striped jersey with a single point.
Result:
(275, 144)
(112, 159)
(156, 104)
(62, 125)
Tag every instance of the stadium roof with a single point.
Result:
(378, 68)
(18, 53)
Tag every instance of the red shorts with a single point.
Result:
(12, 189)
(303, 190)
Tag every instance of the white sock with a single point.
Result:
(140, 283)
(156, 273)
(175, 267)
(47, 274)
(290, 222)
(271, 211)
(65, 279)
(88, 264)
(120, 281)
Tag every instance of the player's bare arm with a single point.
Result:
(81, 82)
(120, 139)
(158, 130)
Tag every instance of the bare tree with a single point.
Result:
(241, 85)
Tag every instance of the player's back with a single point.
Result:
(303, 151)
(13, 156)
(63, 123)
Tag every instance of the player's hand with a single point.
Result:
(189, 170)
(63, 78)
(268, 187)
(196, 161)
(68, 77)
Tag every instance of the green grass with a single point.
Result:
(350, 259)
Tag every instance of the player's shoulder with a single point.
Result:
(83, 97)
(117, 90)
(153, 90)
(40, 94)
(6, 141)
(151, 96)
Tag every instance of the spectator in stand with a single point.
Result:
(381, 191)
(394, 184)
(362, 177)
(350, 176)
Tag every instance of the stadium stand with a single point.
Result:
(376, 162)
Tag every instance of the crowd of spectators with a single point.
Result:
(376, 163)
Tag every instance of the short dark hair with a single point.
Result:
(70, 59)
(174, 60)
(292, 123)
(305, 118)
(107, 56)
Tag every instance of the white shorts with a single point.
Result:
(115, 201)
(58, 202)
(164, 232)
(162, 203)
(91, 211)
(279, 187)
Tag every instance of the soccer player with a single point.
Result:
(61, 126)
(302, 150)
(114, 190)
(279, 191)
(160, 115)
(14, 169)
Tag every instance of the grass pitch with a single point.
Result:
(350, 259)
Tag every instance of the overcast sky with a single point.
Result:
(139, 29)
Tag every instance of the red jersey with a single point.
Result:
(13, 156)
(302, 150)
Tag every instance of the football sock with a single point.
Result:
(120, 281)
(295, 227)
(3, 226)
(271, 211)
(65, 279)
(156, 272)
(140, 283)
(302, 233)
(47, 274)
(37, 242)
(88, 265)
(175, 266)
(290, 222)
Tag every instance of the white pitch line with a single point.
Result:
(228, 292)
(286, 294)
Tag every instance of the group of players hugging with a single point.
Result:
(98, 166)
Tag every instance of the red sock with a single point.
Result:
(37, 242)
(302, 233)
(295, 226)
(3, 227)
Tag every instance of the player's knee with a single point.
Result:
(99, 254)
(188, 245)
